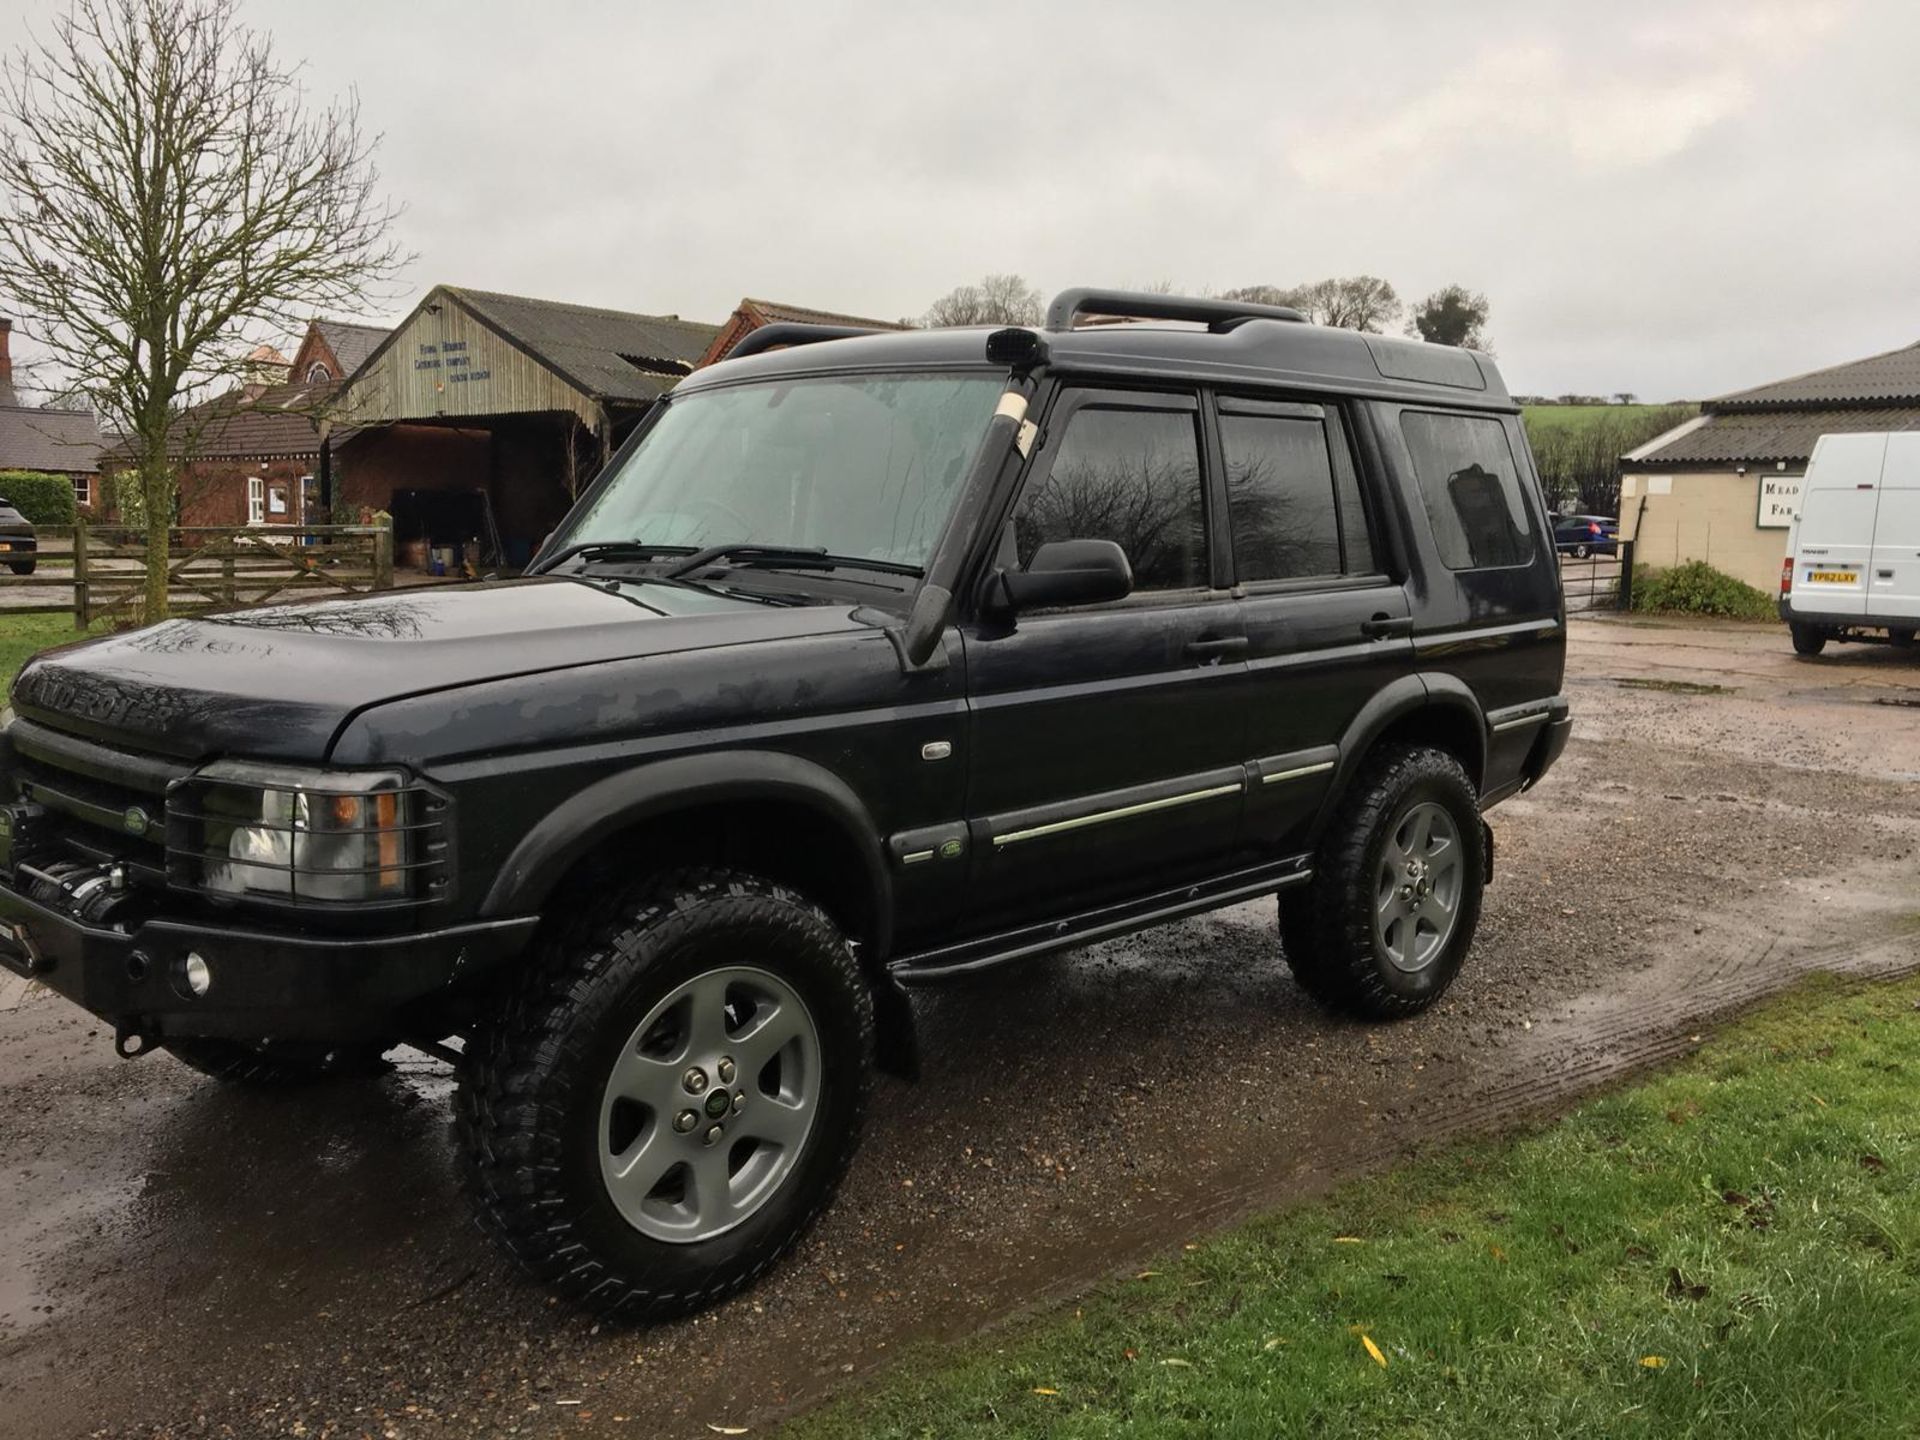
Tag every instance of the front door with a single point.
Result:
(1107, 743)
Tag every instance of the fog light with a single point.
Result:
(197, 973)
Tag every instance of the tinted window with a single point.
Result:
(1291, 496)
(1130, 476)
(1471, 489)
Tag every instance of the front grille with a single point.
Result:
(111, 802)
(154, 816)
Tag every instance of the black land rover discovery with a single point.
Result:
(869, 661)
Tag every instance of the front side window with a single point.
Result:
(1470, 487)
(1292, 497)
(1131, 476)
(864, 467)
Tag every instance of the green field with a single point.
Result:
(1732, 1249)
(1544, 419)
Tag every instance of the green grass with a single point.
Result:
(1542, 419)
(1732, 1249)
(24, 636)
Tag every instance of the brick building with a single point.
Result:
(750, 314)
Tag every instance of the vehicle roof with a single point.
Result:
(1253, 352)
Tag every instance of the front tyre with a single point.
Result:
(670, 1099)
(1382, 928)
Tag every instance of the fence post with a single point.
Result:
(227, 592)
(80, 597)
(1626, 576)
(383, 556)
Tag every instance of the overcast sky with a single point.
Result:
(1671, 198)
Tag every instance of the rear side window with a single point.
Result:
(1292, 499)
(1471, 488)
(1132, 477)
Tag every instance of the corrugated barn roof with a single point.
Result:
(1878, 379)
(1766, 436)
(606, 354)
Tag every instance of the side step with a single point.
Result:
(984, 952)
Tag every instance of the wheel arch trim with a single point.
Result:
(569, 831)
(1409, 695)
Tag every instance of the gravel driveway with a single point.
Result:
(177, 1259)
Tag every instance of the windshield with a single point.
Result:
(864, 467)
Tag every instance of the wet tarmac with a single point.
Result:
(178, 1259)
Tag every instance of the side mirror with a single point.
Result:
(1066, 572)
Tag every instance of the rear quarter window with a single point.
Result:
(1470, 485)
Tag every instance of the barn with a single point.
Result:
(481, 416)
(1724, 486)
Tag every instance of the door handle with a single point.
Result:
(1382, 627)
(1216, 648)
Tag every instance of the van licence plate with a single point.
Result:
(1830, 577)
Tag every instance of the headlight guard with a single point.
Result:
(299, 838)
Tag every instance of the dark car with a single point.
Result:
(19, 545)
(868, 663)
(1584, 535)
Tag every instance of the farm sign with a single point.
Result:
(1779, 501)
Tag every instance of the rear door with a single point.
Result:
(1893, 590)
(1326, 626)
(1838, 506)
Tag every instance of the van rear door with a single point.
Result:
(1893, 591)
(1835, 537)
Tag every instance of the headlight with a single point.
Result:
(306, 837)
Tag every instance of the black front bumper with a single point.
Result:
(264, 983)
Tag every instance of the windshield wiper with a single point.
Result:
(752, 551)
(629, 549)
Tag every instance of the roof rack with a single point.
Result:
(792, 332)
(1218, 316)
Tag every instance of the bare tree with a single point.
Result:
(1264, 295)
(166, 200)
(1359, 302)
(995, 300)
(1454, 315)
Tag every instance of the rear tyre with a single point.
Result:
(1382, 928)
(21, 567)
(1902, 639)
(1808, 639)
(671, 1096)
(279, 1066)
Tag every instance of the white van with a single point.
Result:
(1852, 570)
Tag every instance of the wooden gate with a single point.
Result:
(104, 568)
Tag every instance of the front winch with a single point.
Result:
(93, 894)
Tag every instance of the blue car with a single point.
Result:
(1584, 535)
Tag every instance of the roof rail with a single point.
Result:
(1216, 315)
(792, 332)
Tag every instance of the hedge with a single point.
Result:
(1696, 588)
(43, 499)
